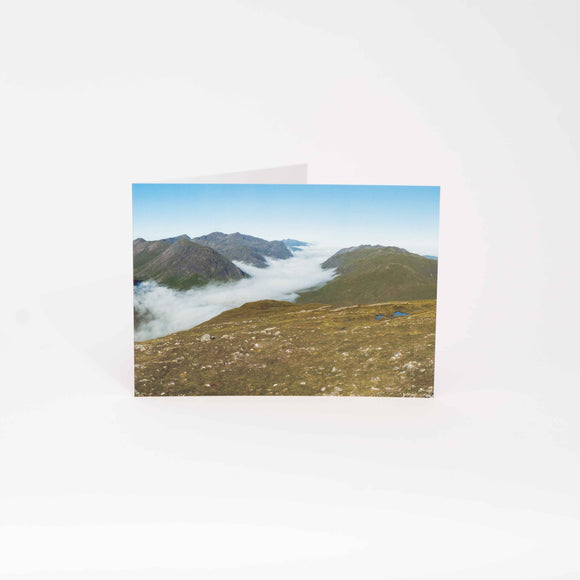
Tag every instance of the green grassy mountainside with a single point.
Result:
(181, 264)
(280, 348)
(370, 274)
(244, 248)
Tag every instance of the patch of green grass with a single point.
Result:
(376, 274)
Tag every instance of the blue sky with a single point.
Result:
(335, 215)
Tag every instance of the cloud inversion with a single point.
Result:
(166, 311)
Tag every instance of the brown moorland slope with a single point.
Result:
(280, 348)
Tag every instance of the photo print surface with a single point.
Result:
(296, 290)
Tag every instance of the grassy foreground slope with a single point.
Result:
(370, 274)
(280, 348)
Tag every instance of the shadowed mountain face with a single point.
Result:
(370, 274)
(244, 248)
(181, 264)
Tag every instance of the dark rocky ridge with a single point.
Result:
(244, 248)
(181, 264)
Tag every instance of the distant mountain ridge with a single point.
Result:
(294, 245)
(371, 274)
(181, 264)
(245, 248)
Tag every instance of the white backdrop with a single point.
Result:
(480, 98)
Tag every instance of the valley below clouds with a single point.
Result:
(162, 310)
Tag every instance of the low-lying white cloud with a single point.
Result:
(167, 310)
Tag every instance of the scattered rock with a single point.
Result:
(163, 362)
(411, 365)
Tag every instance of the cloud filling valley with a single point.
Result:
(165, 311)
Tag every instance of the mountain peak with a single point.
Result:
(181, 264)
(373, 274)
(245, 248)
(176, 239)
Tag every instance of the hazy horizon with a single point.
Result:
(331, 215)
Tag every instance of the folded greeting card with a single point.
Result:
(284, 289)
